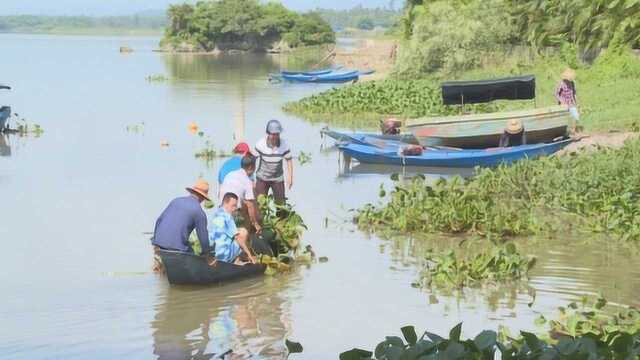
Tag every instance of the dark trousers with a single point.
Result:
(277, 188)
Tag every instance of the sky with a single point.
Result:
(126, 7)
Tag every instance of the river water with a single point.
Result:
(76, 202)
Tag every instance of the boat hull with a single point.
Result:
(452, 158)
(484, 130)
(363, 137)
(189, 269)
(327, 78)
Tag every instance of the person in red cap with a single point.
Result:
(234, 163)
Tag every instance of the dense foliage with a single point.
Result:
(411, 98)
(54, 24)
(243, 25)
(450, 36)
(487, 345)
(583, 331)
(450, 270)
(589, 24)
(359, 17)
(601, 188)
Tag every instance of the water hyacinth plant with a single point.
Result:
(281, 224)
(412, 98)
(600, 190)
(491, 345)
(503, 263)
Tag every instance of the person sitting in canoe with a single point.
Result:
(233, 163)
(180, 218)
(229, 241)
(239, 183)
(513, 134)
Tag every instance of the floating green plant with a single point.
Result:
(501, 264)
(282, 224)
(304, 158)
(208, 152)
(135, 128)
(599, 190)
(157, 78)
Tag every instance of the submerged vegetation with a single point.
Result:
(451, 271)
(600, 190)
(248, 25)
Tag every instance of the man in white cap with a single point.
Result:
(180, 218)
(273, 151)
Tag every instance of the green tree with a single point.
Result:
(366, 24)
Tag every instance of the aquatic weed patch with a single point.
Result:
(501, 264)
(411, 98)
(282, 224)
(602, 188)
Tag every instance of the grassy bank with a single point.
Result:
(607, 92)
(598, 191)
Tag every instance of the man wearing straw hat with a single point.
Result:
(180, 218)
(566, 94)
(513, 134)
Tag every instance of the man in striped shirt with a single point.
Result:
(273, 151)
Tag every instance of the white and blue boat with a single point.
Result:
(389, 153)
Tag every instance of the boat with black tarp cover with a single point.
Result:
(476, 131)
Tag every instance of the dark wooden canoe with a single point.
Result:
(189, 269)
(183, 268)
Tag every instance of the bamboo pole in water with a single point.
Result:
(239, 120)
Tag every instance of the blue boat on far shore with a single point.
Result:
(451, 158)
(332, 77)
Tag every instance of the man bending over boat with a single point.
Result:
(239, 183)
(231, 243)
(180, 218)
(514, 134)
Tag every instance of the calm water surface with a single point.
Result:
(76, 202)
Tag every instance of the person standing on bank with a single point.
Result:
(567, 96)
(273, 151)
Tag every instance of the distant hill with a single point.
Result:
(147, 22)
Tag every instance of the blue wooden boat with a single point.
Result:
(451, 158)
(365, 138)
(311, 73)
(334, 77)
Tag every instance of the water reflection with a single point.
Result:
(236, 321)
(5, 148)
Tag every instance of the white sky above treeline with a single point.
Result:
(127, 7)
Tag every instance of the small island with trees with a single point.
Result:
(242, 25)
